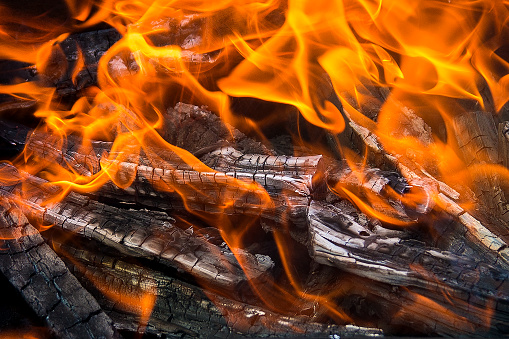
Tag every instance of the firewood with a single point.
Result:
(337, 238)
(467, 260)
(204, 191)
(476, 135)
(91, 45)
(44, 281)
(445, 196)
(140, 234)
(415, 311)
(187, 309)
(200, 131)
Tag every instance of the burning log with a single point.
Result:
(192, 312)
(477, 138)
(139, 234)
(338, 238)
(445, 197)
(80, 53)
(74, 61)
(297, 177)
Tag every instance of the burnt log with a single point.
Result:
(73, 63)
(44, 281)
(466, 260)
(446, 198)
(138, 233)
(184, 309)
(72, 66)
(162, 179)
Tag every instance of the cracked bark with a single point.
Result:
(44, 281)
(466, 260)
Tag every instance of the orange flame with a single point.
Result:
(432, 58)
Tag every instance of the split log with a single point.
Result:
(44, 281)
(138, 233)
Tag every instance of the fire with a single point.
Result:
(330, 60)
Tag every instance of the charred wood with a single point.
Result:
(187, 310)
(141, 234)
(338, 238)
(412, 311)
(477, 138)
(163, 180)
(44, 281)
(445, 197)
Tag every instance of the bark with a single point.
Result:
(45, 283)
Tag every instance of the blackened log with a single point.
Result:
(91, 45)
(188, 310)
(73, 65)
(158, 173)
(44, 281)
(229, 159)
(338, 236)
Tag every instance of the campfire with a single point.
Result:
(251, 169)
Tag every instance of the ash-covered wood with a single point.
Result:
(168, 182)
(338, 238)
(445, 197)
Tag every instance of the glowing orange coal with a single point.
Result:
(424, 55)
